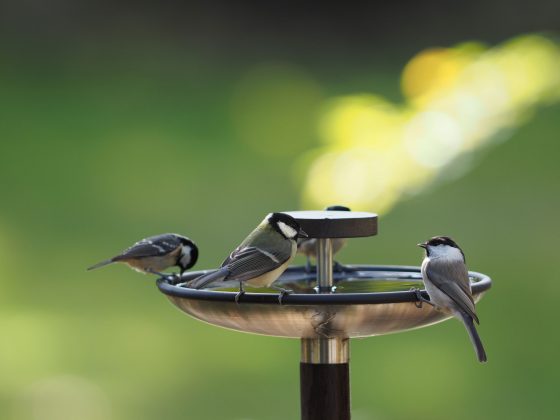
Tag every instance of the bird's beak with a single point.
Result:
(302, 234)
(423, 245)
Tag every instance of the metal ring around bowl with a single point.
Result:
(481, 284)
(317, 315)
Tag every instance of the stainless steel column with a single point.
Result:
(324, 368)
(324, 265)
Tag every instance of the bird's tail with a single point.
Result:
(206, 279)
(475, 338)
(101, 264)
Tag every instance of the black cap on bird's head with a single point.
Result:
(439, 241)
(338, 208)
(286, 225)
(188, 255)
(183, 239)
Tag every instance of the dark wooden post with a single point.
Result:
(325, 391)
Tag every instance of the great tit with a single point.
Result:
(308, 246)
(157, 253)
(261, 258)
(447, 282)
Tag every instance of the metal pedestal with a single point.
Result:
(324, 368)
(368, 300)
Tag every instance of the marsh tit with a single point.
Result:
(261, 258)
(157, 253)
(447, 282)
(308, 246)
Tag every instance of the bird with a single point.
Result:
(261, 258)
(157, 253)
(446, 279)
(308, 246)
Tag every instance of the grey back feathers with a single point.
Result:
(265, 249)
(158, 246)
(152, 247)
(453, 280)
(447, 282)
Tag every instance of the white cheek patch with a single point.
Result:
(288, 231)
(185, 256)
(446, 251)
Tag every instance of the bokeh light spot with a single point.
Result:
(433, 138)
(458, 101)
(431, 71)
(65, 397)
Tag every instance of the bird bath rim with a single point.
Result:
(316, 315)
(481, 285)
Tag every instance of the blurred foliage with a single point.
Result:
(457, 101)
(97, 152)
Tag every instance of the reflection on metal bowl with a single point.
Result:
(366, 301)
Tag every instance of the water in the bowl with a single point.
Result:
(346, 285)
(349, 282)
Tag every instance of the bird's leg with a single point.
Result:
(177, 276)
(283, 292)
(339, 268)
(308, 266)
(172, 278)
(241, 292)
(420, 298)
(157, 273)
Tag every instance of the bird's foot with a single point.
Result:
(174, 278)
(421, 299)
(341, 268)
(238, 296)
(282, 294)
(337, 267)
(157, 273)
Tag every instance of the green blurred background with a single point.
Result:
(123, 120)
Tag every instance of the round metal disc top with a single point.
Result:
(336, 224)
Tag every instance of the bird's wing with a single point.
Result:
(453, 280)
(246, 263)
(153, 246)
(206, 279)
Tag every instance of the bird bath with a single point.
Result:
(325, 310)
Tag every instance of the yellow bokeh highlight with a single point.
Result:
(432, 71)
(360, 120)
(457, 101)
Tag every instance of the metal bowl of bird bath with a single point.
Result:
(325, 309)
